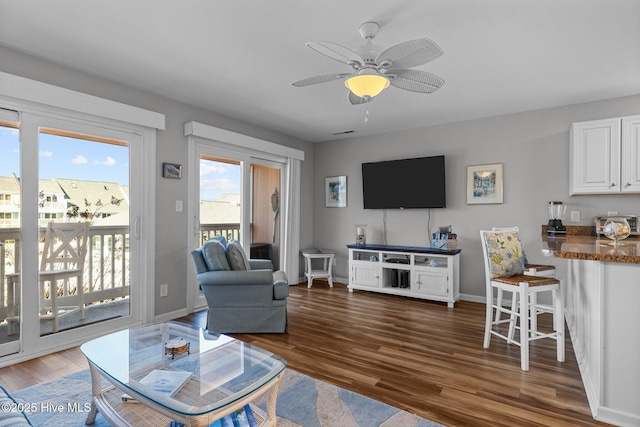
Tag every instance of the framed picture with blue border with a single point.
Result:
(485, 184)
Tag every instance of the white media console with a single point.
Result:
(411, 271)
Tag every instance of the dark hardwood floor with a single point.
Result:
(413, 354)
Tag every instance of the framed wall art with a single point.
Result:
(335, 191)
(171, 170)
(485, 184)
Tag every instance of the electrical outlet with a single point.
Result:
(164, 290)
(612, 213)
(575, 216)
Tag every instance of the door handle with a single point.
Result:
(136, 227)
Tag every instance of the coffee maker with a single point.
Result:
(556, 212)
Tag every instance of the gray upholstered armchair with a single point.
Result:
(244, 296)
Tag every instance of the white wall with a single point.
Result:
(534, 148)
(172, 254)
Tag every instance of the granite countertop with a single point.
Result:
(580, 242)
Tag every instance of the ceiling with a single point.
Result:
(239, 58)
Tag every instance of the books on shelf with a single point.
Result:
(243, 417)
(166, 383)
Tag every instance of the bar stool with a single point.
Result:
(542, 270)
(502, 252)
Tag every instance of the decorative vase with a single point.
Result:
(361, 234)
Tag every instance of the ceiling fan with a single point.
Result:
(375, 69)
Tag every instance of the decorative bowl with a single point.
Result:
(616, 229)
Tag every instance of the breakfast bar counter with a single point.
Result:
(602, 310)
(592, 248)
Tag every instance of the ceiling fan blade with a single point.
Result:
(409, 54)
(337, 52)
(320, 79)
(357, 100)
(416, 81)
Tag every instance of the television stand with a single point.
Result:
(412, 271)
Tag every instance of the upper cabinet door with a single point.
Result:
(595, 157)
(630, 154)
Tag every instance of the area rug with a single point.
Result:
(302, 401)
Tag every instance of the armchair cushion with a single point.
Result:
(260, 264)
(236, 256)
(280, 285)
(214, 253)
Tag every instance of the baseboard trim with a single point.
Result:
(170, 316)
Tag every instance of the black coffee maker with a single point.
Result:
(556, 212)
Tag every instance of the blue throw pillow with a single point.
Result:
(214, 253)
(236, 256)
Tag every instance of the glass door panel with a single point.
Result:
(220, 198)
(265, 213)
(83, 179)
(9, 237)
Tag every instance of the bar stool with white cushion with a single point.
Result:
(502, 252)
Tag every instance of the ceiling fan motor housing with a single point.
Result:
(369, 52)
(368, 30)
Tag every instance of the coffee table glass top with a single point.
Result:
(223, 370)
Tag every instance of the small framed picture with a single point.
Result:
(171, 170)
(484, 184)
(336, 192)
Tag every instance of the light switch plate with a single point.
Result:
(178, 205)
(164, 290)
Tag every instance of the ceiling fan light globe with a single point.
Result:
(367, 84)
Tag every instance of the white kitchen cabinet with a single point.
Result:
(605, 156)
(630, 154)
(417, 272)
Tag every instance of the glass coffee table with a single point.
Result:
(222, 375)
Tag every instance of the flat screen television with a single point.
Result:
(417, 183)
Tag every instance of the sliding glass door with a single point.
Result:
(266, 203)
(238, 196)
(84, 179)
(59, 171)
(9, 234)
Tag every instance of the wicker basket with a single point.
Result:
(447, 244)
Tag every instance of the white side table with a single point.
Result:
(327, 261)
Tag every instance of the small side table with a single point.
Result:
(327, 257)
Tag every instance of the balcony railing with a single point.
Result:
(229, 231)
(106, 272)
